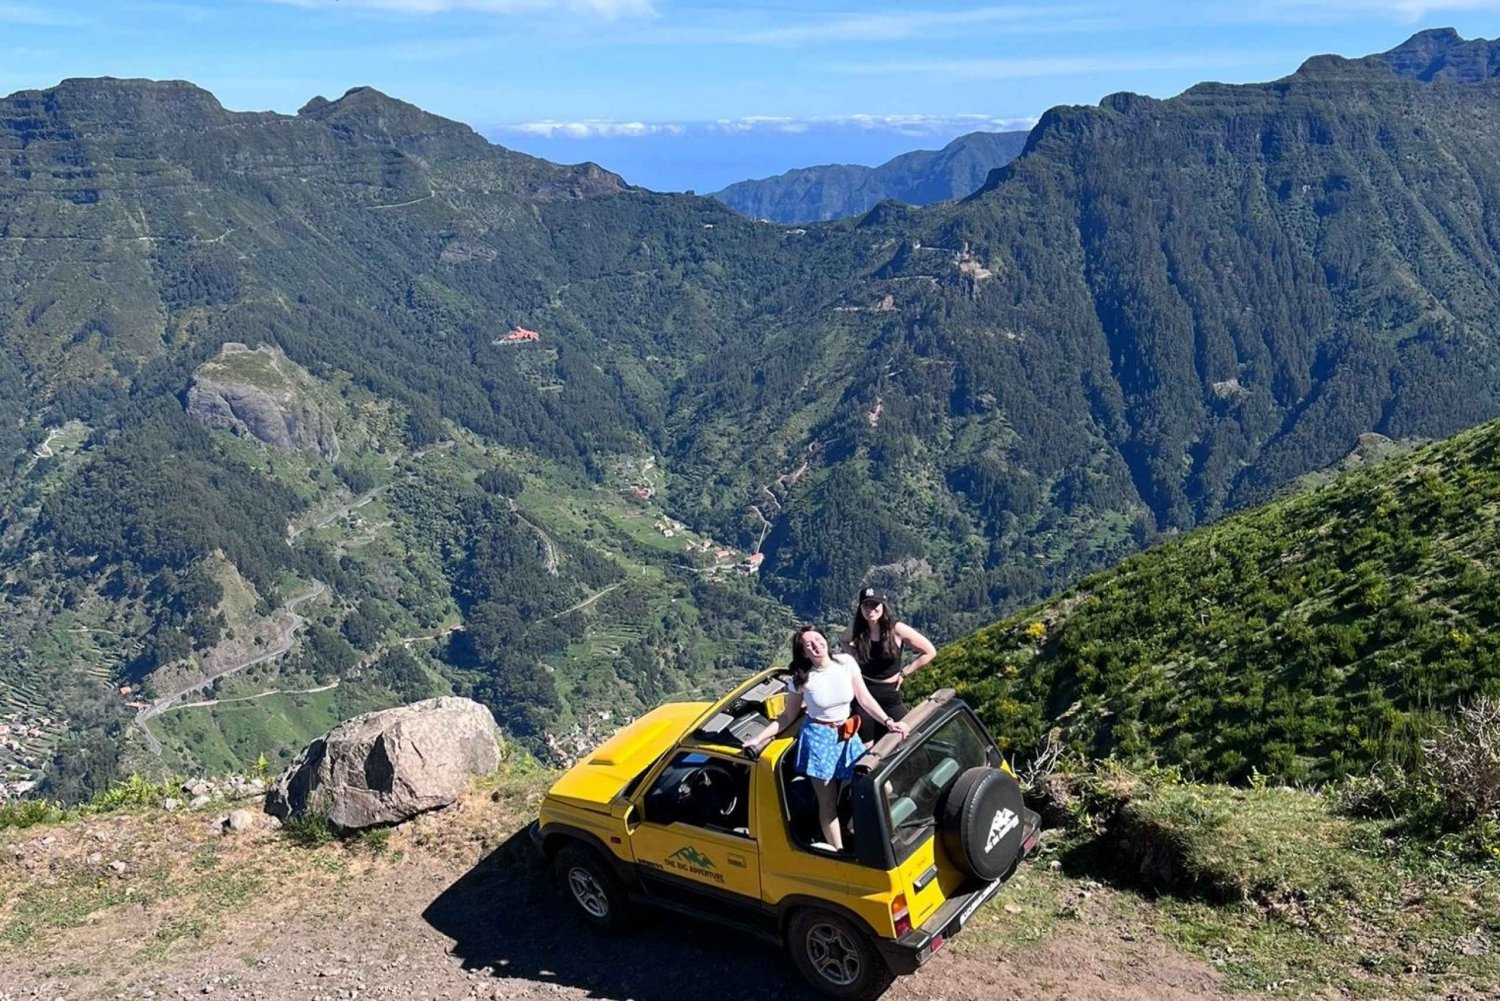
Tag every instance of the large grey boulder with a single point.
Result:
(388, 766)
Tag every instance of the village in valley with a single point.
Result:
(726, 559)
(711, 558)
(19, 761)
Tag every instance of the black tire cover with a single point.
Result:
(981, 822)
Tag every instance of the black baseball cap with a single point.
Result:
(872, 596)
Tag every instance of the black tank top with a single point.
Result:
(881, 666)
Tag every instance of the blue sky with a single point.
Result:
(698, 93)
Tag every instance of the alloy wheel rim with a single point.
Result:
(587, 891)
(833, 954)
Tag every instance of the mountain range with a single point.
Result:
(491, 386)
(837, 191)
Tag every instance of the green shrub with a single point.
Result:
(30, 812)
(1386, 792)
(308, 829)
(134, 792)
(376, 839)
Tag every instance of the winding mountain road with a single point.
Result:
(283, 645)
(550, 559)
(44, 450)
(323, 521)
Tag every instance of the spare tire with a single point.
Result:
(980, 823)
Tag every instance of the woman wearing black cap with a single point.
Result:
(876, 640)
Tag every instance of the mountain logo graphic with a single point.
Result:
(1005, 821)
(689, 855)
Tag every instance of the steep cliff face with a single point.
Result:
(837, 191)
(261, 395)
(1441, 54)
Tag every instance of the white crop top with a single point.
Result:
(829, 690)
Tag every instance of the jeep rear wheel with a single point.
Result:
(593, 887)
(837, 958)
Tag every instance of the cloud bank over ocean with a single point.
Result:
(708, 155)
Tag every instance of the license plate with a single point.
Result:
(974, 905)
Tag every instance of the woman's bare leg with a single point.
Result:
(828, 811)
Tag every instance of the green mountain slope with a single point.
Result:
(245, 595)
(1160, 311)
(1307, 639)
(837, 191)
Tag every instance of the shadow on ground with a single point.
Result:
(509, 918)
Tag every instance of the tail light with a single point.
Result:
(900, 916)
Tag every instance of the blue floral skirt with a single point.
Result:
(821, 755)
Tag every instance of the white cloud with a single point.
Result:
(758, 123)
(912, 125)
(38, 16)
(915, 125)
(1018, 69)
(1326, 11)
(602, 8)
(591, 129)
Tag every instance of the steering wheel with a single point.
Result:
(707, 784)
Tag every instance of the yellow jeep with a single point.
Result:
(670, 811)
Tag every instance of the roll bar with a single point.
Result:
(883, 748)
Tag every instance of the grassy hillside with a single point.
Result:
(1306, 639)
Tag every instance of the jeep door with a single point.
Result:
(693, 844)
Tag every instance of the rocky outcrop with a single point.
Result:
(257, 397)
(388, 766)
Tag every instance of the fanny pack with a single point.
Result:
(846, 729)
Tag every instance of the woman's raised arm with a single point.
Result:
(787, 717)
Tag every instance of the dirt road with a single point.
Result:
(457, 906)
(283, 645)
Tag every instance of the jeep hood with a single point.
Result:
(599, 778)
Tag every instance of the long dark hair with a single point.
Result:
(860, 634)
(801, 663)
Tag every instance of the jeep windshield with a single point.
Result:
(911, 789)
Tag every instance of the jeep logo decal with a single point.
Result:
(690, 860)
(1005, 821)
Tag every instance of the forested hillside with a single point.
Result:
(1161, 310)
(837, 191)
(1308, 639)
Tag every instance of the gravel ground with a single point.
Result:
(446, 909)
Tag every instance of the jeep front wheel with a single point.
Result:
(593, 887)
(835, 957)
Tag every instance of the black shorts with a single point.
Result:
(889, 697)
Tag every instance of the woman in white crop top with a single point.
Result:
(826, 686)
